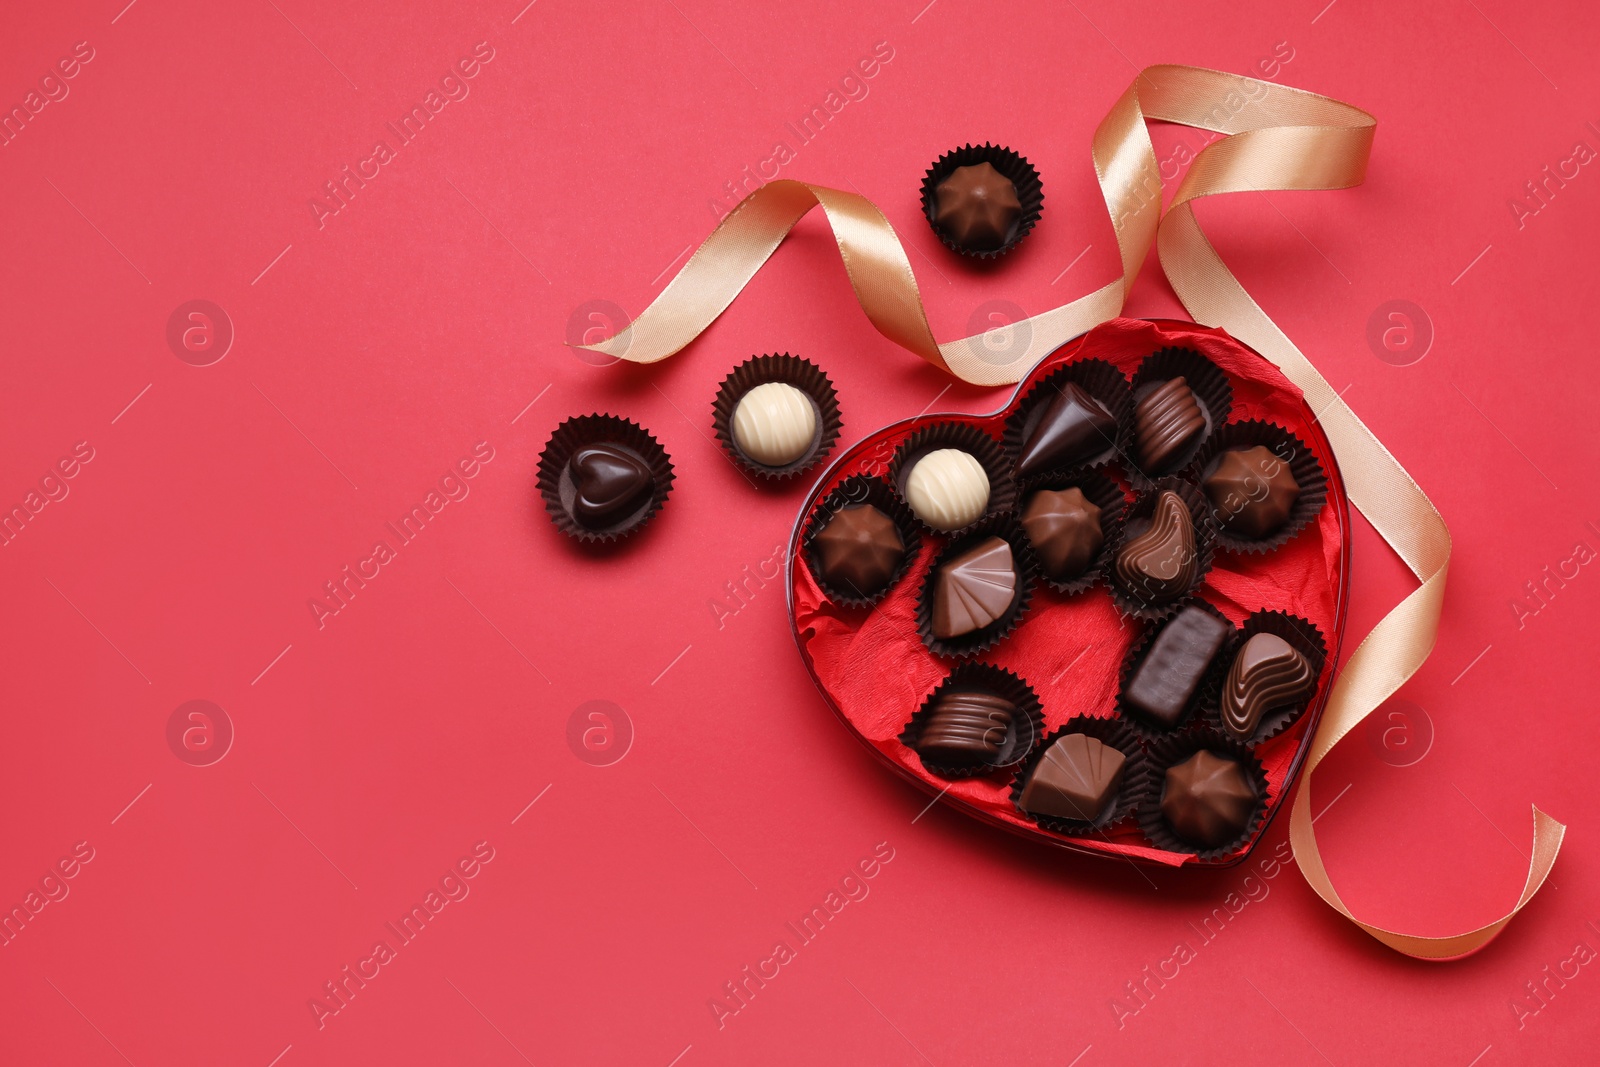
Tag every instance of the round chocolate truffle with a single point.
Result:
(948, 489)
(774, 424)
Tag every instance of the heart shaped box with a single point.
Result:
(874, 670)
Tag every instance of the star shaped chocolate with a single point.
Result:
(1252, 491)
(977, 207)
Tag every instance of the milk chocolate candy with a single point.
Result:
(1076, 778)
(1167, 421)
(1208, 799)
(975, 589)
(1064, 528)
(966, 727)
(1252, 491)
(1162, 686)
(1267, 673)
(859, 550)
(1160, 564)
(977, 207)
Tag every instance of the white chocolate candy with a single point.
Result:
(774, 423)
(948, 489)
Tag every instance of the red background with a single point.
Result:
(374, 350)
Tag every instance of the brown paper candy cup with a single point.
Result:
(1138, 602)
(1211, 392)
(1288, 448)
(1003, 526)
(1104, 493)
(968, 438)
(1204, 694)
(1030, 192)
(1129, 795)
(555, 478)
(857, 491)
(1027, 726)
(1100, 380)
(1303, 637)
(789, 370)
(1174, 750)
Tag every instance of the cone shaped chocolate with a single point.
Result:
(1073, 429)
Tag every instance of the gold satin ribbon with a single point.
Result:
(1276, 138)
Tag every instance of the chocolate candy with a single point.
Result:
(966, 727)
(1160, 564)
(1252, 491)
(1208, 799)
(1165, 681)
(859, 549)
(774, 424)
(977, 207)
(1267, 673)
(1167, 421)
(975, 589)
(1064, 528)
(948, 489)
(1076, 778)
(1073, 428)
(611, 482)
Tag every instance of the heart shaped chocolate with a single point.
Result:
(611, 482)
(1075, 649)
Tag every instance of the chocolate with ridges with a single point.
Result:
(1075, 778)
(975, 589)
(1160, 564)
(1267, 673)
(1064, 528)
(966, 727)
(1167, 421)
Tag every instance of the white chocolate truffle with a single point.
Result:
(774, 424)
(948, 489)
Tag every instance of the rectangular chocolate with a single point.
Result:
(1165, 680)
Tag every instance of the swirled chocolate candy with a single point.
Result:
(975, 589)
(948, 489)
(1166, 421)
(1160, 564)
(1252, 491)
(774, 424)
(1073, 428)
(1267, 673)
(611, 484)
(1166, 679)
(859, 549)
(1207, 799)
(1064, 527)
(1076, 778)
(977, 207)
(966, 727)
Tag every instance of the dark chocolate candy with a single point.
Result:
(977, 207)
(1073, 428)
(1268, 673)
(1065, 530)
(975, 589)
(966, 727)
(1076, 778)
(1166, 422)
(1165, 680)
(1252, 491)
(1208, 799)
(859, 549)
(1160, 564)
(611, 483)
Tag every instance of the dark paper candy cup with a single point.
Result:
(1027, 726)
(1211, 391)
(858, 490)
(555, 480)
(1174, 750)
(1286, 447)
(1030, 192)
(789, 370)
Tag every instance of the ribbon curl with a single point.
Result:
(1275, 138)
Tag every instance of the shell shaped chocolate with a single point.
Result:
(975, 589)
